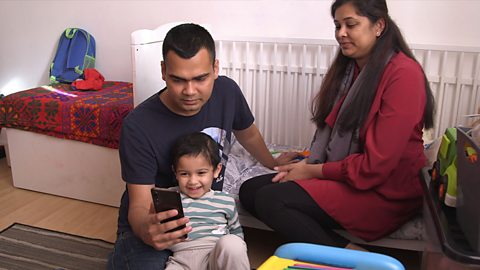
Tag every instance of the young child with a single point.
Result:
(216, 240)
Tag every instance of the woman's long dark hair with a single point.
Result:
(391, 38)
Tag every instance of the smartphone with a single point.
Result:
(167, 199)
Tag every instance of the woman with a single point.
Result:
(366, 154)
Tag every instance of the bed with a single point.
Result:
(268, 73)
(64, 142)
(279, 77)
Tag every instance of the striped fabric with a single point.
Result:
(212, 216)
(26, 247)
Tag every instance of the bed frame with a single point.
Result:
(279, 77)
(77, 170)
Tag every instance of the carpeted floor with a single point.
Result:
(26, 247)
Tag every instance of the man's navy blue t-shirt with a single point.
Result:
(149, 131)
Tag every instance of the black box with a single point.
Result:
(468, 188)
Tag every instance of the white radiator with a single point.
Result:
(280, 77)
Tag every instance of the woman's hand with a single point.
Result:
(290, 172)
(299, 170)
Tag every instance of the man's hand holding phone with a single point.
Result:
(147, 223)
(169, 209)
(162, 235)
(156, 233)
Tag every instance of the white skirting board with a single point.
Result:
(66, 168)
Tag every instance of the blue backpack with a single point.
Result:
(75, 52)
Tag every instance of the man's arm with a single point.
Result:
(251, 139)
(145, 222)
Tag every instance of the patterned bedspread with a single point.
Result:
(57, 110)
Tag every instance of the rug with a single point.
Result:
(26, 247)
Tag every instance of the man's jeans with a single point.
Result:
(131, 253)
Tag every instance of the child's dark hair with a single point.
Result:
(195, 144)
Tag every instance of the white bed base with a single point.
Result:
(3, 142)
(66, 168)
(279, 77)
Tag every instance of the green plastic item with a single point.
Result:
(447, 158)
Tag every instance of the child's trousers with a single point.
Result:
(228, 252)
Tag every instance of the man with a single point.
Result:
(195, 99)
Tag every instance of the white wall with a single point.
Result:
(29, 30)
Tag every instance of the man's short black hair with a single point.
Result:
(186, 40)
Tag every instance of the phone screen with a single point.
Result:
(167, 199)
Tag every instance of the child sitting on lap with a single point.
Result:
(216, 240)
